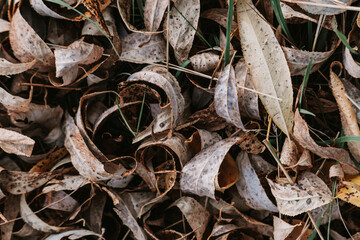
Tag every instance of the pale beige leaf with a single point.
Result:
(90, 29)
(67, 183)
(73, 234)
(16, 143)
(221, 228)
(195, 214)
(347, 113)
(9, 68)
(249, 186)
(298, 60)
(226, 98)
(41, 8)
(289, 13)
(27, 45)
(204, 62)
(61, 201)
(282, 229)
(248, 100)
(81, 157)
(202, 139)
(302, 136)
(320, 10)
(199, 174)
(336, 171)
(267, 64)
(295, 198)
(4, 26)
(34, 221)
(67, 60)
(354, 94)
(141, 48)
(153, 14)
(181, 34)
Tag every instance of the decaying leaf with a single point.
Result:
(153, 14)
(249, 185)
(73, 234)
(16, 143)
(183, 21)
(219, 15)
(302, 136)
(268, 71)
(204, 62)
(143, 48)
(352, 66)
(27, 45)
(9, 68)
(347, 113)
(350, 191)
(60, 201)
(226, 98)
(34, 221)
(284, 230)
(4, 26)
(321, 10)
(309, 193)
(199, 175)
(68, 183)
(354, 94)
(195, 214)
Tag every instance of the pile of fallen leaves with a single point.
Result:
(186, 119)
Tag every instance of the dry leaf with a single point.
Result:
(181, 33)
(67, 183)
(282, 229)
(354, 94)
(11, 211)
(67, 60)
(226, 98)
(16, 143)
(199, 174)
(195, 214)
(9, 68)
(249, 185)
(204, 62)
(219, 15)
(302, 136)
(91, 29)
(142, 48)
(60, 201)
(27, 45)
(34, 221)
(268, 71)
(153, 14)
(4, 26)
(352, 66)
(293, 199)
(202, 139)
(94, 7)
(320, 10)
(350, 191)
(347, 113)
(73, 234)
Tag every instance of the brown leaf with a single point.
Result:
(195, 214)
(354, 94)
(302, 136)
(153, 14)
(219, 15)
(203, 62)
(94, 7)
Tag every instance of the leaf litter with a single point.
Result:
(130, 126)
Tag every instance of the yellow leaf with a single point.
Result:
(350, 192)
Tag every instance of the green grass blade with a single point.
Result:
(124, 119)
(343, 39)
(59, 2)
(197, 32)
(301, 110)
(228, 32)
(280, 18)
(184, 65)
(141, 113)
(305, 81)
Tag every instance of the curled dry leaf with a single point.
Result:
(195, 214)
(153, 14)
(347, 113)
(208, 169)
(283, 230)
(4, 26)
(181, 33)
(289, 13)
(204, 62)
(27, 45)
(124, 7)
(163, 79)
(68, 183)
(293, 199)
(11, 211)
(302, 136)
(92, 30)
(269, 71)
(9, 68)
(202, 139)
(350, 191)
(336, 171)
(143, 48)
(320, 10)
(67, 60)
(219, 15)
(16, 182)
(16, 143)
(60, 201)
(298, 60)
(81, 157)
(226, 98)
(34, 221)
(221, 228)
(352, 66)
(73, 234)
(248, 100)
(354, 94)
(249, 185)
